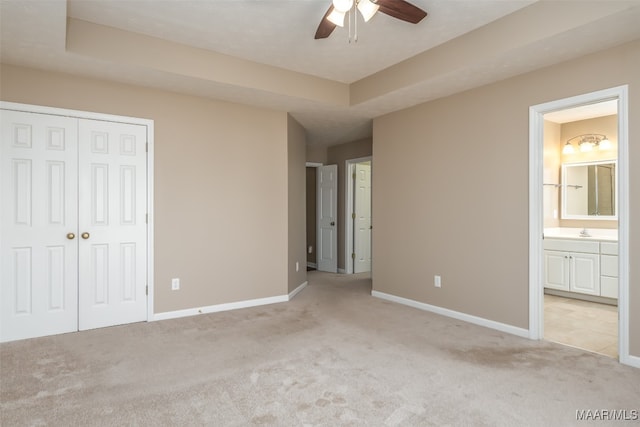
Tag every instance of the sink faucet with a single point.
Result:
(585, 233)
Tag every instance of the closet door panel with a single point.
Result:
(38, 225)
(112, 223)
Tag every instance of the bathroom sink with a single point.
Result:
(610, 235)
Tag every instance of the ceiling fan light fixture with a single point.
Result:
(367, 9)
(342, 5)
(336, 17)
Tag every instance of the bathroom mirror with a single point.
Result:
(589, 190)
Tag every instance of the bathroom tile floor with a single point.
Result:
(583, 324)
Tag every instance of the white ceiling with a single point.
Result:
(583, 112)
(280, 33)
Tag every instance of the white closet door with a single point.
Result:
(327, 207)
(362, 238)
(112, 224)
(38, 162)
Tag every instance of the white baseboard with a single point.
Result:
(342, 271)
(312, 264)
(221, 307)
(295, 292)
(631, 361)
(502, 327)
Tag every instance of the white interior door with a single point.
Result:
(327, 215)
(362, 221)
(38, 234)
(112, 224)
(73, 233)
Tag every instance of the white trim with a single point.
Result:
(342, 271)
(536, 297)
(220, 307)
(536, 128)
(480, 321)
(41, 109)
(297, 290)
(623, 227)
(150, 220)
(632, 361)
(349, 167)
(312, 264)
(149, 124)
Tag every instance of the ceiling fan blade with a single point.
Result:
(402, 10)
(326, 27)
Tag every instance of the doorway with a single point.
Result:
(564, 259)
(581, 228)
(322, 246)
(311, 215)
(358, 217)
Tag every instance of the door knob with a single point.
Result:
(85, 235)
(71, 236)
(333, 223)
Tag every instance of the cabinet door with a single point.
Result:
(556, 272)
(585, 273)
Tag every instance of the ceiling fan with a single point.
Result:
(335, 15)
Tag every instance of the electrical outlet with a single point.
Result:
(310, 249)
(175, 284)
(437, 281)
(297, 266)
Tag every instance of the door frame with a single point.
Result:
(349, 167)
(149, 123)
(536, 229)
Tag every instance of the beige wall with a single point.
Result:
(450, 190)
(296, 153)
(316, 154)
(338, 155)
(607, 125)
(214, 176)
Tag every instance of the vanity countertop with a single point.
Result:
(600, 234)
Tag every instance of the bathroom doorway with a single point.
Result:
(579, 256)
(581, 227)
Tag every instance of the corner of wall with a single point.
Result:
(297, 224)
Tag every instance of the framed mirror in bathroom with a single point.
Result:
(590, 190)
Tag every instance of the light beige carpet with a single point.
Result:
(332, 356)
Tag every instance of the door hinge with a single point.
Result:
(146, 218)
(353, 256)
(146, 147)
(353, 215)
(354, 175)
(146, 291)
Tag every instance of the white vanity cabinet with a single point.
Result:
(572, 266)
(609, 269)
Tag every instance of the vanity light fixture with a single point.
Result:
(588, 142)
